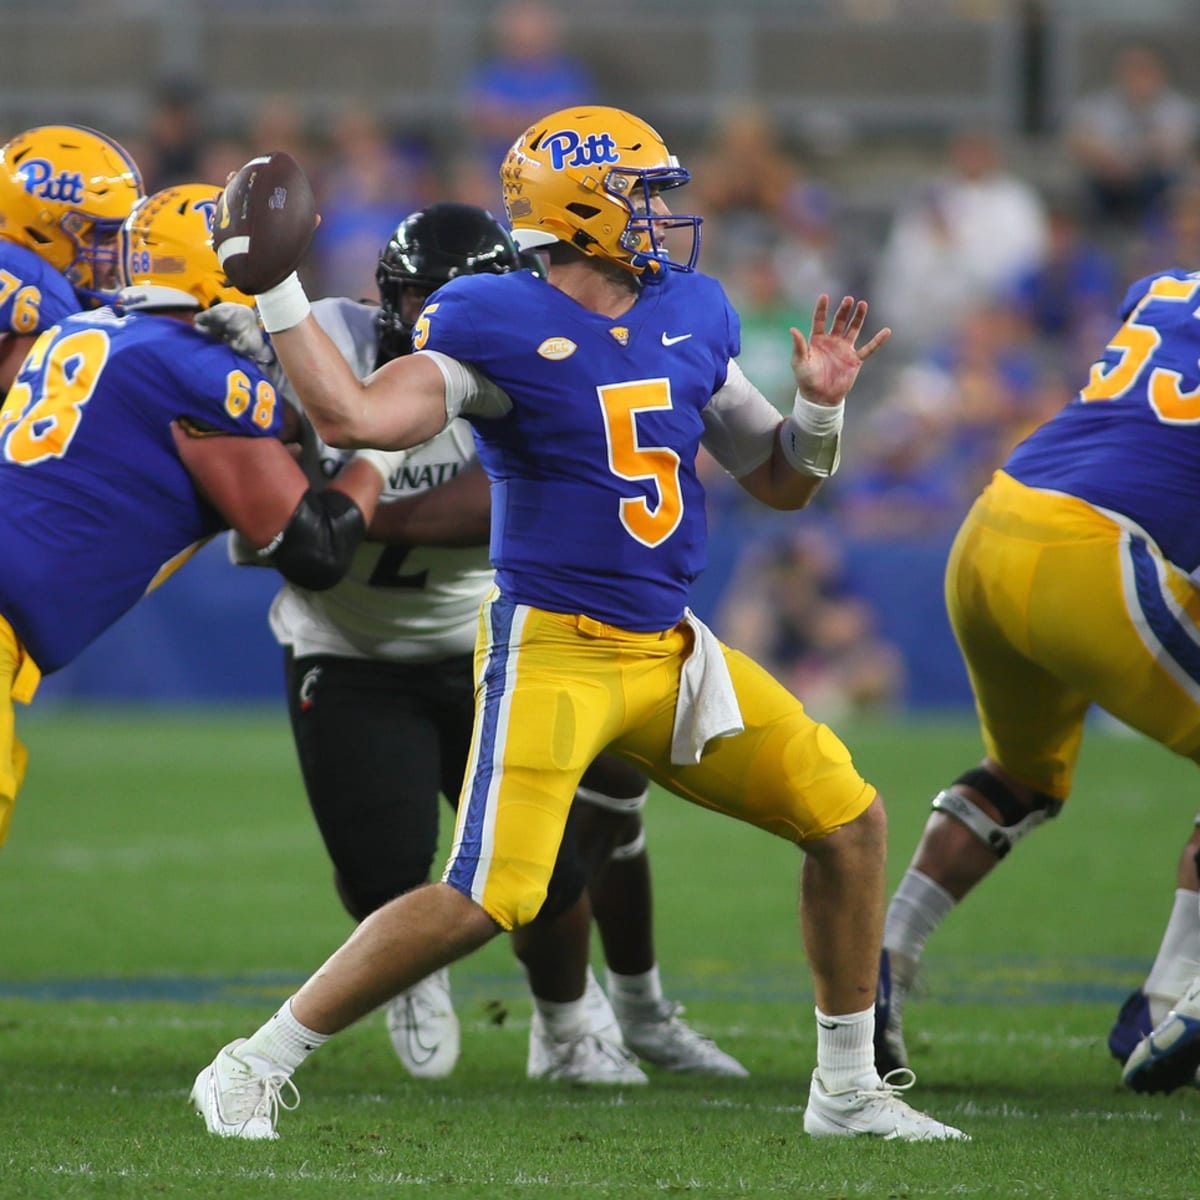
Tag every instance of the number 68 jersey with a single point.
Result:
(1129, 442)
(96, 507)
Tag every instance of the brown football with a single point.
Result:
(264, 222)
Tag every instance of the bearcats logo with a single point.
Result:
(308, 686)
(40, 180)
(568, 149)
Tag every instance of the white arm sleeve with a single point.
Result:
(468, 392)
(740, 424)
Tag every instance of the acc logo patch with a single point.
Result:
(621, 334)
(557, 348)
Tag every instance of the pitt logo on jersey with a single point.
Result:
(40, 180)
(568, 149)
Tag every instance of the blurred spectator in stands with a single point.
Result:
(902, 478)
(787, 608)
(767, 312)
(812, 255)
(966, 241)
(946, 423)
(1132, 139)
(173, 147)
(369, 182)
(222, 156)
(995, 365)
(528, 74)
(1171, 241)
(742, 184)
(1070, 298)
(279, 124)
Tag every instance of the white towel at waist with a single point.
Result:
(707, 707)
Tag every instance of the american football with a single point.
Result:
(264, 222)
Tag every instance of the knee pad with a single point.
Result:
(616, 804)
(630, 849)
(1018, 820)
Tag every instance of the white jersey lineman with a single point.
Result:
(400, 603)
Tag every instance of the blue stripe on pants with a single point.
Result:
(500, 618)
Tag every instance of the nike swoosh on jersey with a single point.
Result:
(670, 341)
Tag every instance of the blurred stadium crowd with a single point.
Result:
(991, 175)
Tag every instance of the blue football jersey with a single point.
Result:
(1130, 440)
(96, 506)
(33, 295)
(596, 505)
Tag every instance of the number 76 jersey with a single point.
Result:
(596, 504)
(1130, 440)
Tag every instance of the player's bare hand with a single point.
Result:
(827, 362)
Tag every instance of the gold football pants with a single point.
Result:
(19, 678)
(1057, 605)
(553, 691)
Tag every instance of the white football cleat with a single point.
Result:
(590, 1058)
(873, 1112)
(658, 1033)
(237, 1100)
(424, 1027)
(599, 1055)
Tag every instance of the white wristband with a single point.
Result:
(386, 462)
(284, 305)
(811, 438)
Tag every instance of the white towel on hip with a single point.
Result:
(707, 706)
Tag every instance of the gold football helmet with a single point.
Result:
(169, 258)
(64, 191)
(587, 176)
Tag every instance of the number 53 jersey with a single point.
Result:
(1129, 443)
(596, 505)
(96, 507)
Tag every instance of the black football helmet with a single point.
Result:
(429, 248)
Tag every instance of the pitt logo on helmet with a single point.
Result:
(567, 149)
(40, 180)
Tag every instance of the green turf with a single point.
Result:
(163, 888)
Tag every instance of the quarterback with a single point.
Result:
(381, 698)
(589, 394)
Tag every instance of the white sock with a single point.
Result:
(564, 1021)
(846, 1051)
(1178, 960)
(919, 906)
(634, 990)
(283, 1041)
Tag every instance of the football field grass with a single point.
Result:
(164, 888)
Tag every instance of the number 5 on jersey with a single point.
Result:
(620, 403)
